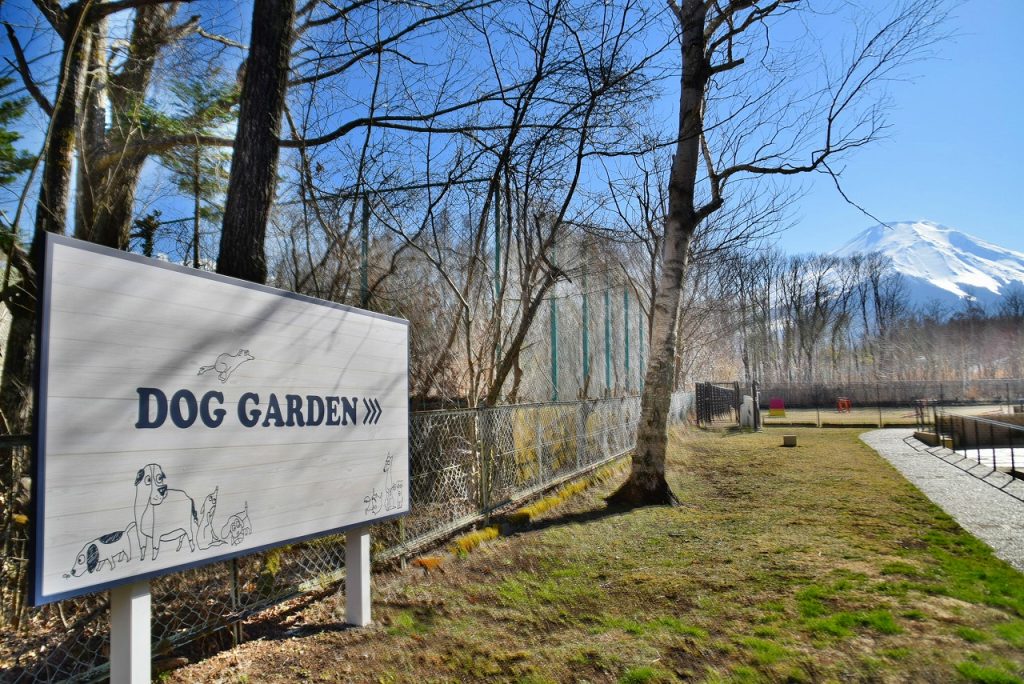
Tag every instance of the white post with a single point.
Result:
(130, 634)
(357, 577)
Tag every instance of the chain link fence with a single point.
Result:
(465, 465)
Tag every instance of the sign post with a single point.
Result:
(185, 418)
(357, 577)
(130, 641)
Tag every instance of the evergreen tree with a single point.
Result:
(13, 162)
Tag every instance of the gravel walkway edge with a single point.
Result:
(989, 504)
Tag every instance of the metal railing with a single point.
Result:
(983, 439)
(464, 466)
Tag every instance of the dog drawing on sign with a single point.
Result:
(373, 502)
(108, 549)
(237, 527)
(162, 514)
(392, 490)
(207, 536)
(226, 364)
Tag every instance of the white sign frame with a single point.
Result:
(378, 422)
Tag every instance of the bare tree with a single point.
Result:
(737, 120)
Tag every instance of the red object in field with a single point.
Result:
(843, 405)
(776, 407)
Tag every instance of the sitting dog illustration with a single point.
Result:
(392, 490)
(162, 514)
(226, 364)
(373, 502)
(109, 549)
(237, 527)
(207, 536)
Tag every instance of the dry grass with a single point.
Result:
(818, 563)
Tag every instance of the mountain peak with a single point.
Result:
(939, 261)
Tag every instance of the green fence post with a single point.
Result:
(586, 331)
(625, 327)
(608, 341)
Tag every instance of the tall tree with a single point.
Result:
(769, 135)
(254, 162)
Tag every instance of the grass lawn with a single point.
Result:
(819, 563)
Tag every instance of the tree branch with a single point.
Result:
(26, 73)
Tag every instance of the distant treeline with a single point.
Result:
(842, 320)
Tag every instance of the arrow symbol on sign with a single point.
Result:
(372, 411)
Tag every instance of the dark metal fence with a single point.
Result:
(890, 393)
(716, 401)
(988, 442)
(465, 465)
(891, 404)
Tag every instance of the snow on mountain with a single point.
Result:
(941, 263)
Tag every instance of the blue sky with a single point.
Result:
(951, 156)
(956, 147)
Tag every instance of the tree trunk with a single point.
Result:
(106, 195)
(254, 164)
(51, 216)
(646, 485)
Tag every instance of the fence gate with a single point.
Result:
(717, 401)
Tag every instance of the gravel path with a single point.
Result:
(968, 492)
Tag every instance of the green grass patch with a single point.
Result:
(983, 674)
(644, 675)
(764, 652)
(1012, 632)
(971, 635)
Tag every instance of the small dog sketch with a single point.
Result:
(162, 514)
(109, 549)
(207, 536)
(237, 527)
(226, 364)
(373, 502)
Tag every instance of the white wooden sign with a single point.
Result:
(184, 417)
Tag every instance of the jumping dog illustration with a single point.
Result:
(226, 364)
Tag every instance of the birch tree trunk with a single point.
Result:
(646, 485)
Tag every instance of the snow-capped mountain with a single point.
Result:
(941, 263)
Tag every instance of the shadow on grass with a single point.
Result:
(576, 518)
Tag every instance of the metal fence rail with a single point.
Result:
(986, 441)
(464, 465)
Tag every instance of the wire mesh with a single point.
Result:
(464, 465)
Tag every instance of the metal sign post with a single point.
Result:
(130, 642)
